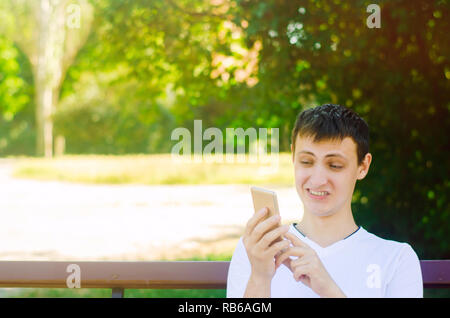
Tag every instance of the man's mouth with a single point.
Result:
(317, 194)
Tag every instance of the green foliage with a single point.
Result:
(12, 86)
(117, 97)
(103, 117)
(16, 101)
(397, 77)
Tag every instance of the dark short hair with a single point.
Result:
(333, 122)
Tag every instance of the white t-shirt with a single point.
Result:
(362, 265)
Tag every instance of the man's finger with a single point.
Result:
(300, 261)
(254, 221)
(264, 227)
(301, 270)
(295, 240)
(278, 248)
(292, 251)
(280, 259)
(287, 262)
(273, 236)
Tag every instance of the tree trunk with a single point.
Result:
(44, 129)
(48, 72)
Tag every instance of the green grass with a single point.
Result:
(151, 293)
(153, 169)
(106, 293)
(436, 293)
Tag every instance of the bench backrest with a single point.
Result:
(153, 275)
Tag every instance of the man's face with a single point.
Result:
(326, 174)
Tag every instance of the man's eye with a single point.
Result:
(335, 167)
(305, 162)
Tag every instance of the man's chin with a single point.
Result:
(321, 212)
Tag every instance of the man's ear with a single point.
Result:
(363, 168)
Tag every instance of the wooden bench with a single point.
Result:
(119, 276)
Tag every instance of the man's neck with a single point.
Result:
(327, 230)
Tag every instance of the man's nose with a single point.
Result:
(318, 178)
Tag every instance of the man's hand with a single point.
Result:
(308, 268)
(261, 242)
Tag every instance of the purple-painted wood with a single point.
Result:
(435, 273)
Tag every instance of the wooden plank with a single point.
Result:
(435, 273)
(154, 275)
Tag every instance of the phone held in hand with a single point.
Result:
(265, 198)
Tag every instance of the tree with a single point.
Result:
(397, 77)
(50, 41)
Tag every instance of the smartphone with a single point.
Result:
(266, 198)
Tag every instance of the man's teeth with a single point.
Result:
(318, 193)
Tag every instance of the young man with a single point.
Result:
(326, 254)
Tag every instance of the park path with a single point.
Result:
(50, 220)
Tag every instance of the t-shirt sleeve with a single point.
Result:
(238, 272)
(407, 279)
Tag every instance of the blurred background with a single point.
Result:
(91, 91)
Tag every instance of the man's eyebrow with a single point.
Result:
(334, 154)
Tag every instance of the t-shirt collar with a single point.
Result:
(330, 248)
